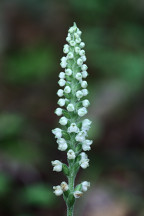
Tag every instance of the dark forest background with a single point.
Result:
(32, 35)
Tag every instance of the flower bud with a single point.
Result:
(70, 107)
(61, 82)
(63, 121)
(82, 111)
(61, 102)
(60, 92)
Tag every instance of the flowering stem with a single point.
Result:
(72, 138)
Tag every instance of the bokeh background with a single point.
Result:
(32, 35)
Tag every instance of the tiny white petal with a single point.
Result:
(73, 128)
(84, 84)
(72, 43)
(71, 154)
(78, 76)
(58, 111)
(63, 121)
(57, 166)
(77, 49)
(61, 82)
(84, 67)
(82, 111)
(84, 74)
(61, 102)
(60, 92)
(85, 186)
(67, 89)
(68, 72)
(64, 186)
(77, 194)
(85, 92)
(81, 52)
(79, 94)
(79, 62)
(61, 75)
(70, 107)
(82, 44)
(70, 55)
(57, 190)
(85, 103)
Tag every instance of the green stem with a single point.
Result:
(71, 179)
(70, 211)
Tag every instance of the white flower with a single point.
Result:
(82, 45)
(85, 185)
(83, 155)
(68, 39)
(83, 58)
(84, 163)
(63, 62)
(77, 49)
(61, 75)
(70, 55)
(66, 48)
(71, 154)
(85, 103)
(81, 52)
(70, 107)
(84, 67)
(84, 84)
(79, 62)
(61, 102)
(78, 40)
(58, 111)
(60, 92)
(72, 43)
(84, 74)
(79, 32)
(77, 194)
(62, 145)
(86, 145)
(57, 132)
(73, 128)
(85, 92)
(61, 82)
(63, 120)
(57, 166)
(78, 76)
(86, 124)
(72, 29)
(64, 186)
(79, 94)
(82, 111)
(67, 89)
(57, 190)
(80, 137)
(76, 35)
(68, 72)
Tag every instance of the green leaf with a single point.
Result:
(78, 187)
(65, 169)
(70, 200)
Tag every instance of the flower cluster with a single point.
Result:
(72, 136)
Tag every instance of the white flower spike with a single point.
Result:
(72, 137)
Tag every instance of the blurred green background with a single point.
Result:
(32, 35)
